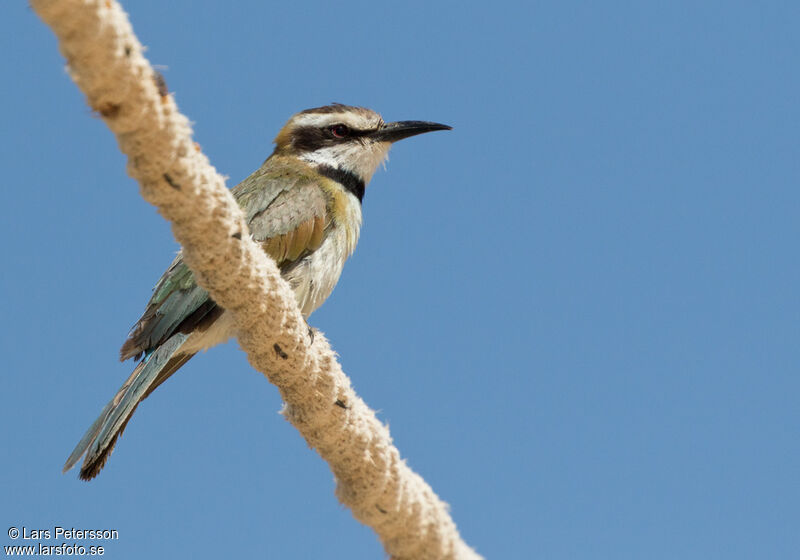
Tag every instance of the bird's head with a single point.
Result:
(350, 139)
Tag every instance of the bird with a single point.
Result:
(303, 206)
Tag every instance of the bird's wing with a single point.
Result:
(176, 300)
(286, 212)
(289, 224)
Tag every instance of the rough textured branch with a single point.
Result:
(105, 60)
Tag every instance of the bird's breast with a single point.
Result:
(314, 276)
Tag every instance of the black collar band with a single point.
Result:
(349, 180)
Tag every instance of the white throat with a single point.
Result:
(362, 159)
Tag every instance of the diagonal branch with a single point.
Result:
(105, 60)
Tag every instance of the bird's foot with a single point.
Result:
(311, 332)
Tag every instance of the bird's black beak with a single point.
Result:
(394, 131)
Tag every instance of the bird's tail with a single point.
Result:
(99, 440)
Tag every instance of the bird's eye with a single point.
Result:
(340, 130)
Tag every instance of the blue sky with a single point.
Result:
(578, 311)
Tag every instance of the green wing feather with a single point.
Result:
(286, 211)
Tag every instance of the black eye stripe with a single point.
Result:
(349, 131)
(310, 138)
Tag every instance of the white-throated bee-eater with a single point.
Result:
(303, 205)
